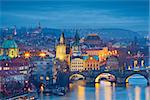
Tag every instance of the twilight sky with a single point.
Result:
(126, 14)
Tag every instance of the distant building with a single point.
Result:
(93, 41)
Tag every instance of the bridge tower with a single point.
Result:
(61, 49)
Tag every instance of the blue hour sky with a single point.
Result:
(126, 14)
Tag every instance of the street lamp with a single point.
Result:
(42, 54)
(27, 54)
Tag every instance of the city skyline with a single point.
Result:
(132, 15)
(74, 49)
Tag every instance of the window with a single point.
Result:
(47, 78)
(6, 68)
(41, 78)
(12, 52)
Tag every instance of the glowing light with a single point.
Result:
(6, 68)
(29, 89)
(42, 54)
(116, 52)
(91, 58)
(142, 63)
(27, 54)
(137, 93)
(81, 93)
(47, 78)
(26, 81)
(41, 78)
(129, 67)
(42, 87)
(135, 63)
(129, 52)
(97, 86)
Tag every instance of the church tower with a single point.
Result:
(61, 49)
(76, 48)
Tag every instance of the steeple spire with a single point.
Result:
(15, 32)
(39, 25)
(62, 39)
(77, 38)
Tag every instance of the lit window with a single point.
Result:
(6, 68)
(42, 54)
(47, 78)
(6, 64)
(0, 68)
(41, 78)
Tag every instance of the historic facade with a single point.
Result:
(9, 49)
(77, 64)
(79, 59)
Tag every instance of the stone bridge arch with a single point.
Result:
(76, 76)
(111, 77)
(145, 75)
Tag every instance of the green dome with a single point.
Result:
(9, 44)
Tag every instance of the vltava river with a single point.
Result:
(104, 91)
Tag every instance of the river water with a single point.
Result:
(137, 89)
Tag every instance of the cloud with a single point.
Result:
(74, 14)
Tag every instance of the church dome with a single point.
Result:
(9, 44)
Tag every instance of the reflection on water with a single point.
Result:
(81, 93)
(147, 93)
(103, 91)
(137, 93)
(97, 90)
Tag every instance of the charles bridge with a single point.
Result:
(120, 77)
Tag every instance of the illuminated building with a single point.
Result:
(101, 53)
(92, 63)
(77, 64)
(61, 49)
(9, 48)
(80, 59)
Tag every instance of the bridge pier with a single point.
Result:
(120, 81)
(63, 79)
